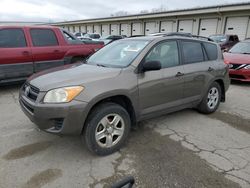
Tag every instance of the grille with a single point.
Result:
(235, 66)
(30, 91)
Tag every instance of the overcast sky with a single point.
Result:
(65, 10)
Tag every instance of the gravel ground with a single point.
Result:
(183, 149)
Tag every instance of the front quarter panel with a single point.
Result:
(124, 84)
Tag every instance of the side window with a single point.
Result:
(43, 37)
(192, 52)
(12, 38)
(166, 53)
(68, 37)
(212, 51)
(231, 38)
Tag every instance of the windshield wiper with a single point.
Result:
(246, 53)
(101, 65)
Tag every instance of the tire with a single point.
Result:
(107, 128)
(211, 100)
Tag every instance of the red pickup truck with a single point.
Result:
(26, 50)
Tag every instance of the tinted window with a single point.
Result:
(192, 52)
(166, 53)
(43, 37)
(12, 38)
(211, 50)
(231, 38)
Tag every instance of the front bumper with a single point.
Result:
(242, 75)
(65, 118)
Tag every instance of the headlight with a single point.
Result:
(62, 95)
(247, 67)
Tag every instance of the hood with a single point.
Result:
(237, 58)
(70, 75)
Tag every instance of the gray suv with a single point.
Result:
(125, 82)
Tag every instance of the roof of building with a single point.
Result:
(176, 12)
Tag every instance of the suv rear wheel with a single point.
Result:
(107, 128)
(211, 100)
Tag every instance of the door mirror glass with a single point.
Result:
(151, 66)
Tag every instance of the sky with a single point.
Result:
(66, 10)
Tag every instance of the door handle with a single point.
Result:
(179, 74)
(25, 53)
(210, 69)
(56, 51)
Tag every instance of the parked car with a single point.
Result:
(79, 34)
(110, 38)
(125, 82)
(226, 41)
(238, 59)
(91, 36)
(28, 49)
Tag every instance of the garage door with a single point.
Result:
(105, 30)
(137, 29)
(83, 29)
(125, 29)
(208, 27)
(238, 26)
(71, 29)
(167, 26)
(89, 29)
(186, 26)
(114, 29)
(77, 29)
(97, 29)
(151, 27)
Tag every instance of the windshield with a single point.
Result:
(241, 48)
(218, 38)
(118, 54)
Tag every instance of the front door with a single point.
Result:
(162, 89)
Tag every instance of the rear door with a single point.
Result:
(15, 54)
(162, 89)
(46, 51)
(198, 59)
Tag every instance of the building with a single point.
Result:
(205, 21)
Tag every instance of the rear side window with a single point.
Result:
(12, 38)
(192, 52)
(211, 50)
(43, 37)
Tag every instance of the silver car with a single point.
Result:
(123, 83)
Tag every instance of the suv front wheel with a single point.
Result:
(107, 128)
(211, 100)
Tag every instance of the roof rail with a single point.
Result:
(182, 34)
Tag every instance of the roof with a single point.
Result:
(27, 26)
(197, 10)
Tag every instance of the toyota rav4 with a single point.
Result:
(125, 82)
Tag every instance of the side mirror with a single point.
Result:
(151, 66)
